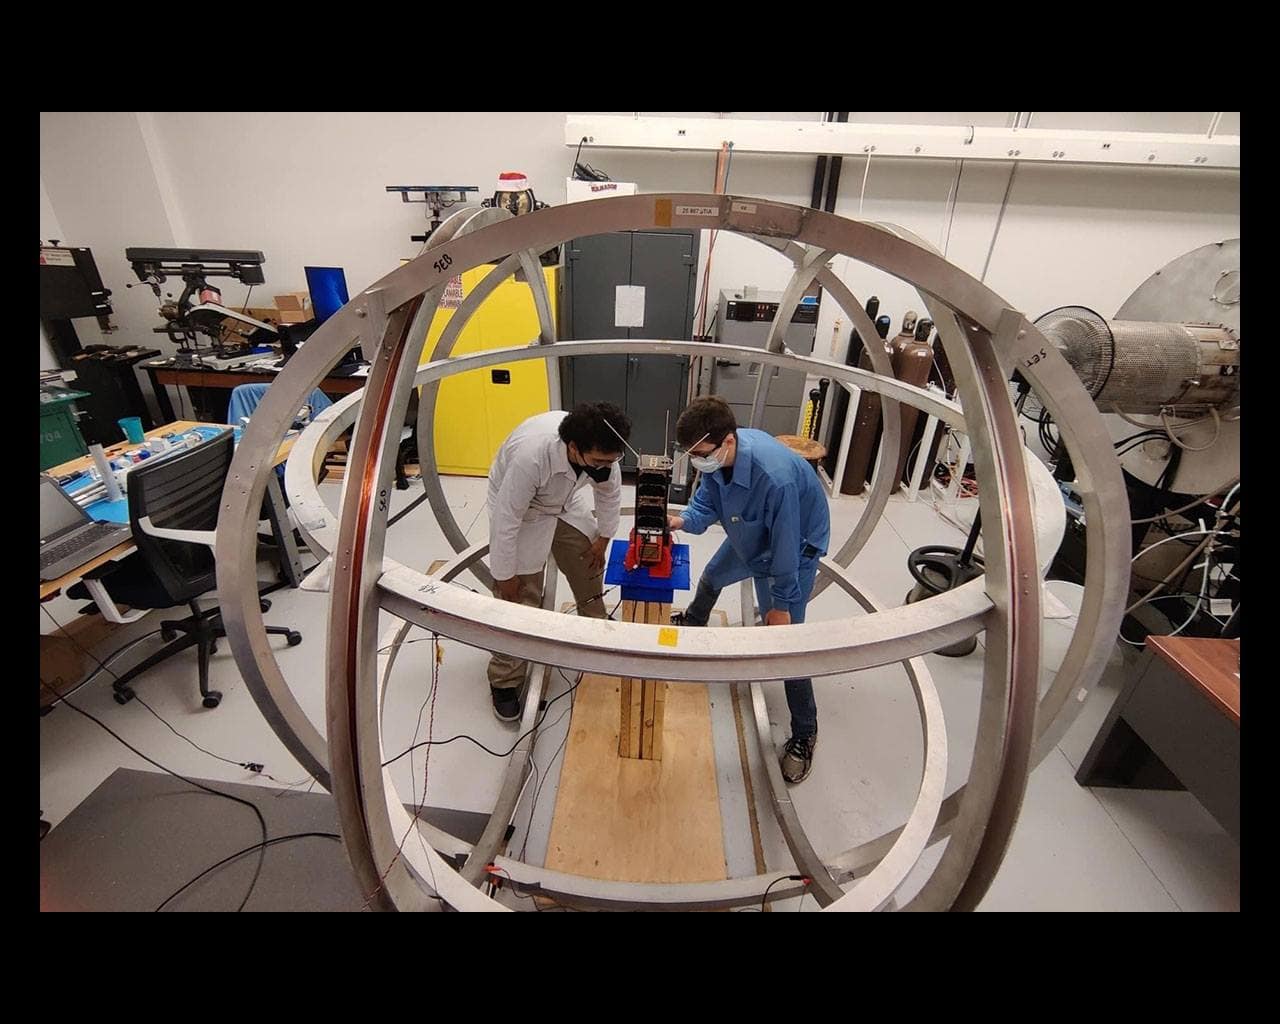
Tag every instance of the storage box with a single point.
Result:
(293, 316)
(577, 191)
(293, 301)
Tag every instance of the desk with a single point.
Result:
(205, 385)
(290, 562)
(1176, 725)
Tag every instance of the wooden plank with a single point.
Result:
(631, 691)
(659, 615)
(633, 820)
(646, 724)
(635, 720)
(624, 729)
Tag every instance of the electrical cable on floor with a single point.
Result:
(784, 878)
(472, 739)
(109, 659)
(191, 782)
(251, 766)
(545, 776)
(417, 813)
(537, 792)
(438, 654)
(240, 853)
(262, 823)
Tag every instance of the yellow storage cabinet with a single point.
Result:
(476, 410)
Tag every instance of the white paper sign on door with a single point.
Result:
(628, 306)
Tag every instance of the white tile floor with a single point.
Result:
(1074, 848)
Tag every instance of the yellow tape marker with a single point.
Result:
(668, 637)
(662, 213)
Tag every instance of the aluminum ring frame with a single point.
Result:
(305, 495)
(984, 329)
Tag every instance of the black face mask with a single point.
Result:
(597, 473)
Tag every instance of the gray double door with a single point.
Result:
(649, 388)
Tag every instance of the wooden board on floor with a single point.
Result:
(634, 820)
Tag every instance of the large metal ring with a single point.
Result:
(980, 333)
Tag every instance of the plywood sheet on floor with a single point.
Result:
(631, 820)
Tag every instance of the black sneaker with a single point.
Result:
(506, 703)
(682, 619)
(797, 758)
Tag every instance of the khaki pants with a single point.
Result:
(571, 551)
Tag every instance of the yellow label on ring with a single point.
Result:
(662, 219)
(668, 636)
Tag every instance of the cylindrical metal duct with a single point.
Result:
(1141, 367)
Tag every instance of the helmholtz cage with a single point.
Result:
(653, 482)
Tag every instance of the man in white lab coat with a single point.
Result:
(538, 504)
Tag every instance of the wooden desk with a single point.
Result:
(120, 550)
(1212, 667)
(200, 381)
(1176, 725)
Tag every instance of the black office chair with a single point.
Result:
(173, 510)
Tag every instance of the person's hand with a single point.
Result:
(675, 522)
(595, 554)
(508, 590)
(777, 617)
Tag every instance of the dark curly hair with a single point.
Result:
(588, 427)
(707, 418)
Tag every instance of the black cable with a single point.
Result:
(546, 774)
(954, 204)
(250, 766)
(463, 736)
(89, 678)
(1140, 437)
(573, 172)
(1135, 442)
(240, 853)
(245, 307)
(191, 782)
(783, 878)
(413, 778)
(262, 823)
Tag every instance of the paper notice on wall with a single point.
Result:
(628, 306)
(452, 298)
(57, 258)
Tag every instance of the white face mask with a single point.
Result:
(707, 463)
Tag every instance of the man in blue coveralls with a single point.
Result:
(774, 511)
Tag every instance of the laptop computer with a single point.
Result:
(68, 537)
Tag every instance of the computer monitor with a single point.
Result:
(328, 288)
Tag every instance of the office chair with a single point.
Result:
(173, 510)
(247, 397)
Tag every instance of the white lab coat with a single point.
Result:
(531, 485)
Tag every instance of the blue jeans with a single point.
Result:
(720, 573)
